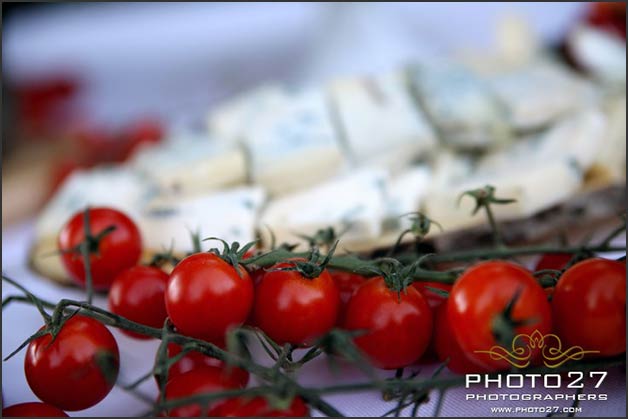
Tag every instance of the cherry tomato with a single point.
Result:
(347, 283)
(117, 251)
(291, 308)
(138, 295)
(77, 369)
(33, 410)
(205, 297)
(434, 301)
(194, 359)
(589, 306)
(480, 296)
(203, 379)
(398, 325)
(555, 261)
(447, 348)
(258, 407)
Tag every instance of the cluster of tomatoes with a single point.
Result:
(297, 302)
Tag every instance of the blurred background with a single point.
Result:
(85, 83)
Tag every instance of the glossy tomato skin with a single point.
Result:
(194, 359)
(258, 407)
(398, 326)
(481, 294)
(447, 348)
(589, 306)
(205, 297)
(203, 379)
(138, 294)
(66, 372)
(291, 308)
(117, 251)
(33, 410)
(434, 301)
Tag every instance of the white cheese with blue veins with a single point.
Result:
(168, 222)
(190, 164)
(464, 110)
(576, 137)
(405, 194)
(379, 121)
(116, 186)
(353, 204)
(540, 93)
(535, 186)
(293, 146)
(229, 120)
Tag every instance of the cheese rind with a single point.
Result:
(379, 121)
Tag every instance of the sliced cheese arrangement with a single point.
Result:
(360, 153)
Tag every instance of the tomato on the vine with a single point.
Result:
(478, 304)
(206, 296)
(555, 261)
(397, 325)
(77, 369)
(138, 294)
(203, 379)
(116, 251)
(241, 407)
(194, 359)
(292, 308)
(434, 301)
(347, 283)
(33, 410)
(589, 306)
(447, 347)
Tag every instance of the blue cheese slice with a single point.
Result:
(228, 121)
(379, 121)
(540, 93)
(405, 193)
(81, 189)
(466, 113)
(168, 222)
(191, 164)
(294, 145)
(353, 204)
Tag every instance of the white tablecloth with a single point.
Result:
(19, 321)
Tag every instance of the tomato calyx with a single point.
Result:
(310, 268)
(484, 197)
(91, 242)
(324, 237)
(232, 254)
(504, 326)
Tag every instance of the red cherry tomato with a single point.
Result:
(347, 283)
(138, 295)
(117, 251)
(205, 297)
(447, 348)
(258, 407)
(555, 261)
(589, 306)
(33, 410)
(482, 294)
(398, 325)
(194, 359)
(291, 308)
(434, 301)
(77, 369)
(203, 379)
